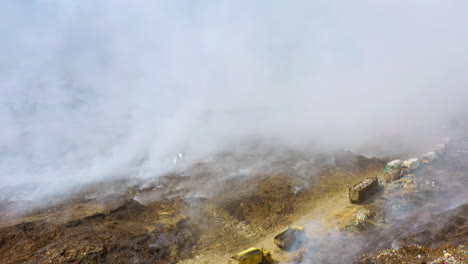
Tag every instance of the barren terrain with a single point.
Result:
(196, 217)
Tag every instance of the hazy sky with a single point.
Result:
(90, 88)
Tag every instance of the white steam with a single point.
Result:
(95, 89)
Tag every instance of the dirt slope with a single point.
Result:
(168, 225)
(173, 220)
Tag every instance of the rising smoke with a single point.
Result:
(105, 89)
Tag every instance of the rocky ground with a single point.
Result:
(203, 216)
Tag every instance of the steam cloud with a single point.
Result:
(96, 89)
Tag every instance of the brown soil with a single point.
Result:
(199, 217)
(131, 233)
